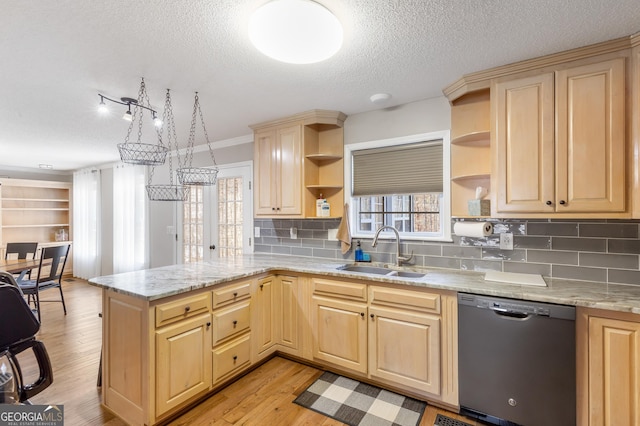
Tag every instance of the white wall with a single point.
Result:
(424, 116)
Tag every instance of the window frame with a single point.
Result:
(445, 208)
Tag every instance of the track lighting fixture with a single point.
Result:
(128, 116)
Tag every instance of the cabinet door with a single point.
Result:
(404, 348)
(290, 171)
(614, 372)
(591, 138)
(265, 164)
(183, 362)
(523, 132)
(264, 329)
(287, 302)
(340, 330)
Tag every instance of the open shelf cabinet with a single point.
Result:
(470, 149)
(33, 211)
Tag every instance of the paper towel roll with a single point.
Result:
(472, 229)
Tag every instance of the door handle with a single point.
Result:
(212, 247)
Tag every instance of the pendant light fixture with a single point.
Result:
(171, 191)
(295, 31)
(190, 175)
(139, 152)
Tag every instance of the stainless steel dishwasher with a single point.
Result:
(516, 361)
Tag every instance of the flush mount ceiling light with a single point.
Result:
(295, 31)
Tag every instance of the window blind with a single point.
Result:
(402, 169)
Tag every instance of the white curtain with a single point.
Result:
(86, 223)
(130, 219)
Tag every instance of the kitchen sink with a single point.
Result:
(406, 274)
(381, 271)
(366, 269)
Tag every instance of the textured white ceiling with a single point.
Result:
(55, 56)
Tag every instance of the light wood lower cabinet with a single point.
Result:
(404, 338)
(264, 326)
(183, 362)
(160, 356)
(288, 315)
(340, 330)
(608, 368)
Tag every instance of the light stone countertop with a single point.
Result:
(157, 283)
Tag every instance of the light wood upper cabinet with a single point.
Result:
(590, 138)
(608, 368)
(559, 140)
(296, 160)
(278, 170)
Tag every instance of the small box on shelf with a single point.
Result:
(479, 207)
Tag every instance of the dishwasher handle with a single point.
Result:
(509, 314)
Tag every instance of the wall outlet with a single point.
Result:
(506, 241)
(293, 232)
(332, 234)
(256, 232)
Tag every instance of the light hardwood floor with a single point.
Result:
(262, 397)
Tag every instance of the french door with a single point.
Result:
(217, 220)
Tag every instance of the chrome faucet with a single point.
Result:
(399, 258)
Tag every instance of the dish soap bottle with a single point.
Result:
(358, 252)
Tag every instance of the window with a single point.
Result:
(401, 182)
(193, 225)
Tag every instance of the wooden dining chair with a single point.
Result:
(21, 251)
(52, 262)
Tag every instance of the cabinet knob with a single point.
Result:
(548, 203)
(563, 202)
(235, 358)
(261, 286)
(362, 314)
(187, 308)
(208, 324)
(372, 316)
(235, 294)
(235, 323)
(273, 208)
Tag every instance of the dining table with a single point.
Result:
(17, 266)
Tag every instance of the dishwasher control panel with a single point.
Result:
(517, 307)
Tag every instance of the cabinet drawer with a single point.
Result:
(181, 309)
(229, 294)
(231, 321)
(416, 300)
(345, 290)
(231, 357)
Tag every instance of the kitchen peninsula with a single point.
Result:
(173, 335)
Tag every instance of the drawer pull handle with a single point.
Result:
(187, 308)
(235, 323)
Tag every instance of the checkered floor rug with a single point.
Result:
(355, 403)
